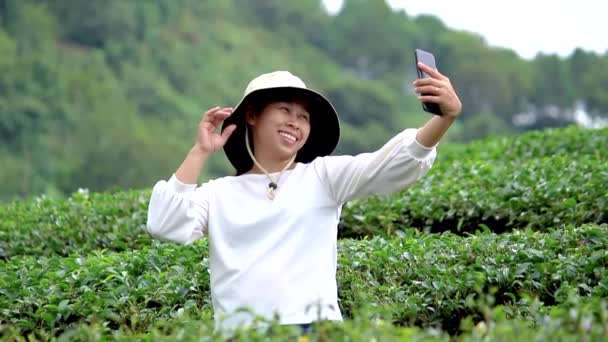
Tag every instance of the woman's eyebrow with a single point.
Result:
(305, 111)
(305, 107)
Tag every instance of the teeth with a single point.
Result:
(288, 136)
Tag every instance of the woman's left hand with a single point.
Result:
(438, 89)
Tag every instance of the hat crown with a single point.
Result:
(273, 80)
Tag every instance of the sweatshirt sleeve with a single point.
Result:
(178, 212)
(396, 165)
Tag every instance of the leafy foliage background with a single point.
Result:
(107, 94)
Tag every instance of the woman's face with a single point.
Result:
(281, 129)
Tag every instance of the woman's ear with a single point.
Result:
(250, 117)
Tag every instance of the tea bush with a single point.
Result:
(426, 280)
(537, 180)
(510, 244)
(537, 194)
(581, 319)
(83, 222)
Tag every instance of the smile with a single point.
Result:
(290, 137)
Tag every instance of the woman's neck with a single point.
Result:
(270, 165)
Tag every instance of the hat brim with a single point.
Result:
(324, 128)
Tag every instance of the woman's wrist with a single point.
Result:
(192, 166)
(197, 151)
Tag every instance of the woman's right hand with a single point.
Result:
(208, 140)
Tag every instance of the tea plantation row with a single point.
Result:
(538, 193)
(580, 319)
(573, 141)
(538, 180)
(425, 280)
(84, 268)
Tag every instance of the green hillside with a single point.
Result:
(105, 95)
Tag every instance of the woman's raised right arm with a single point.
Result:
(178, 210)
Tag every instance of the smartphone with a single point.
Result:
(426, 58)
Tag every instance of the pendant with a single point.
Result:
(270, 193)
(272, 186)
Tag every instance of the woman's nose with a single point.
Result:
(292, 121)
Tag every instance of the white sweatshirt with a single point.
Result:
(279, 256)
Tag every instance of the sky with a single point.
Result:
(528, 27)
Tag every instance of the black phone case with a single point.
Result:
(426, 58)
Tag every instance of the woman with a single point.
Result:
(272, 228)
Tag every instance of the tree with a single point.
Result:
(302, 19)
(594, 85)
(105, 20)
(370, 50)
(429, 29)
(589, 80)
(360, 103)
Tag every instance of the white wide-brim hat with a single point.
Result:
(324, 121)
